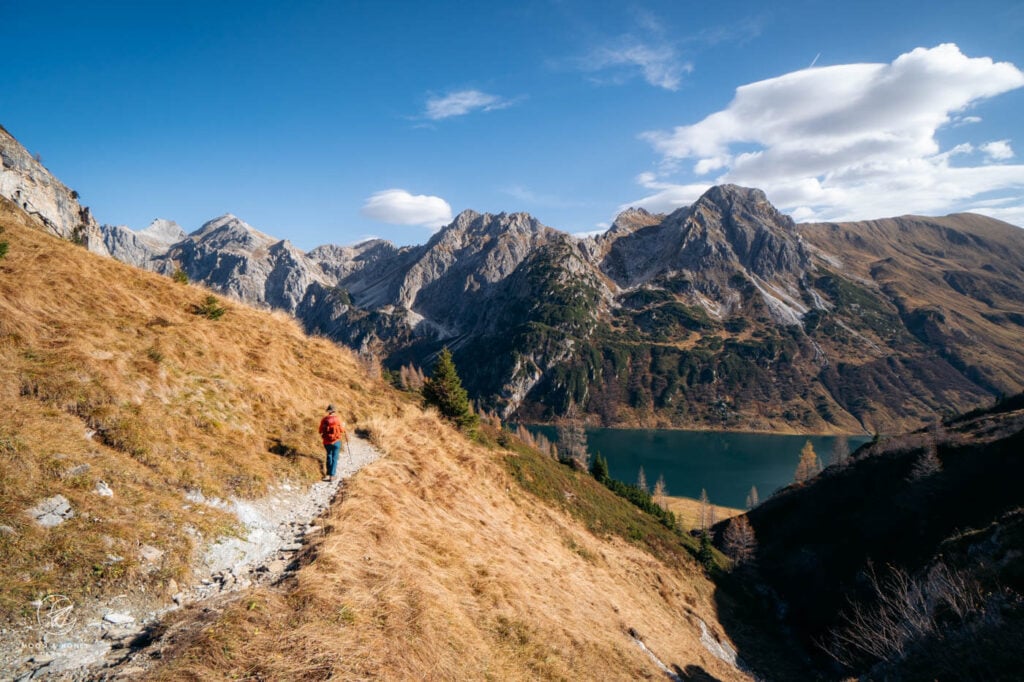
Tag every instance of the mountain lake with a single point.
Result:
(725, 464)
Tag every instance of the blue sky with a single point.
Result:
(329, 122)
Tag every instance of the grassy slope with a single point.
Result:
(438, 564)
(963, 270)
(174, 401)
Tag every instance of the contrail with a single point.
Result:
(814, 61)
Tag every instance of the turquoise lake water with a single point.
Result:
(724, 464)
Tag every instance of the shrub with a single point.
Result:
(179, 276)
(210, 308)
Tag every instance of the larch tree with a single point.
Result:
(840, 450)
(572, 441)
(660, 492)
(705, 509)
(445, 392)
(927, 463)
(739, 541)
(808, 466)
(641, 480)
(752, 498)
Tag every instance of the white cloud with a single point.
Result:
(463, 102)
(999, 150)
(659, 65)
(849, 141)
(667, 197)
(399, 207)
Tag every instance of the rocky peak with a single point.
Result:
(230, 233)
(25, 181)
(470, 226)
(731, 223)
(631, 220)
(162, 231)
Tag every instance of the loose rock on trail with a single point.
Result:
(116, 638)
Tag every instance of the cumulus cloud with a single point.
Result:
(999, 150)
(848, 141)
(463, 102)
(399, 207)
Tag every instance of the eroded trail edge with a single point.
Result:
(115, 637)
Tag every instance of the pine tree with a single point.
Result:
(752, 498)
(641, 480)
(599, 468)
(445, 392)
(739, 541)
(808, 466)
(705, 556)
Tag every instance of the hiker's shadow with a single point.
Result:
(277, 447)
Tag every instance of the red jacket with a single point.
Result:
(326, 431)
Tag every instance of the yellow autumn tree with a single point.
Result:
(808, 466)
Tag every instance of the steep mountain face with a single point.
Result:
(724, 314)
(31, 187)
(230, 255)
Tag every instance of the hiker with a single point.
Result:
(332, 431)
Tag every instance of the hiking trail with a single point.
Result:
(116, 638)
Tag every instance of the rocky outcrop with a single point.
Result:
(25, 181)
(230, 255)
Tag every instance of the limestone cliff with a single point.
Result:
(25, 181)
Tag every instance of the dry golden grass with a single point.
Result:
(176, 402)
(435, 566)
(687, 511)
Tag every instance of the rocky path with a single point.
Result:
(116, 639)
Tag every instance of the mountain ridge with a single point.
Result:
(723, 315)
(730, 266)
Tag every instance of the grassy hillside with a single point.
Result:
(447, 559)
(110, 374)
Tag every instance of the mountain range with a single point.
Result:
(725, 314)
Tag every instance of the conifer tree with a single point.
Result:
(599, 468)
(705, 556)
(808, 466)
(445, 392)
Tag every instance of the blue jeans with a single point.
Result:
(332, 456)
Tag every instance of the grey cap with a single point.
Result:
(330, 408)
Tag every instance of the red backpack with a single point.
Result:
(332, 430)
